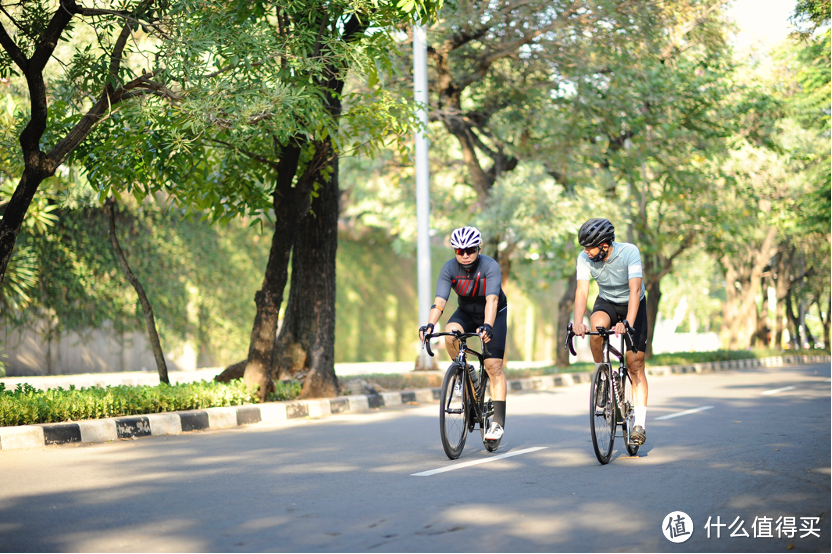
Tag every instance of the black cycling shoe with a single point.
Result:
(638, 435)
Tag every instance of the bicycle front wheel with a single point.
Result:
(453, 415)
(630, 417)
(602, 414)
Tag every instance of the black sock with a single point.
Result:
(500, 413)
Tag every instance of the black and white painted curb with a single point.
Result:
(172, 423)
(775, 361)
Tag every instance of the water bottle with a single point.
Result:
(474, 375)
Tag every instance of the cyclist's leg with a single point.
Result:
(602, 316)
(635, 363)
(494, 366)
(459, 321)
(451, 344)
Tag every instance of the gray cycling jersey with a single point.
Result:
(472, 285)
(613, 275)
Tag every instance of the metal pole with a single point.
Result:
(420, 93)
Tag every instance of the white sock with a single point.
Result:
(641, 416)
(597, 365)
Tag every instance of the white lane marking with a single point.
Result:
(686, 412)
(775, 391)
(476, 462)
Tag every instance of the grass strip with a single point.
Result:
(27, 405)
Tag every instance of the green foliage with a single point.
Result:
(285, 390)
(200, 279)
(27, 405)
(253, 78)
(684, 358)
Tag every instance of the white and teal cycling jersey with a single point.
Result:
(613, 275)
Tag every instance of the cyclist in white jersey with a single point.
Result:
(616, 267)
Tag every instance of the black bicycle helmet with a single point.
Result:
(596, 231)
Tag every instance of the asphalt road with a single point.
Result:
(346, 483)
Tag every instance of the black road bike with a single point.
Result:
(611, 402)
(464, 405)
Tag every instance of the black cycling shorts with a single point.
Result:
(497, 345)
(618, 312)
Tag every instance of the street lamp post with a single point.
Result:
(420, 93)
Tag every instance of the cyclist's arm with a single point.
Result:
(634, 277)
(635, 300)
(436, 312)
(491, 303)
(581, 296)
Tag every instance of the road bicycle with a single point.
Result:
(611, 402)
(463, 405)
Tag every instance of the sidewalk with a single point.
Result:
(152, 378)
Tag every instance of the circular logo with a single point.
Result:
(677, 527)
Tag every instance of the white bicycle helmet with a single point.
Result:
(465, 237)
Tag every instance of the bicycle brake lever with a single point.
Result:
(427, 345)
(568, 345)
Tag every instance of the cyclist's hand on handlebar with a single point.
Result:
(621, 327)
(425, 330)
(486, 332)
(579, 329)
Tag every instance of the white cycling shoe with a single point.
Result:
(495, 432)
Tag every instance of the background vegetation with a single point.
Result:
(714, 161)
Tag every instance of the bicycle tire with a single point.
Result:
(487, 409)
(602, 418)
(453, 426)
(629, 422)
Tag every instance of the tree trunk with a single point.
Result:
(761, 328)
(150, 321)
(826, 321)
(15, 213)
(794, 330)
(290, 206)
(305, 348)
(739, 311)
(654, 297)
(566, 307)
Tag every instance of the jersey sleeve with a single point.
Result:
(443, 285)
(634, 263)
(583, 267)
(493, 279)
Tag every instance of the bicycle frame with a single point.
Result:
(618, 375)
(462, 364)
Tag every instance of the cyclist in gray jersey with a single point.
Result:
(476, 279)
(616, 267)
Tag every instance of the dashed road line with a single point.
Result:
(775, 391)
(476, 462)
(686, 412)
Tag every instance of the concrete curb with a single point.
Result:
(776, 361)
(172, 423)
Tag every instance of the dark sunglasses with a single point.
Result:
(463, 251)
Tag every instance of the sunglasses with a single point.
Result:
(463, 251)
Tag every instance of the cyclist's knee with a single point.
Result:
(494, 367)
(599, 319)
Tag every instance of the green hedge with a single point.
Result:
(27, 405)
(684, 358)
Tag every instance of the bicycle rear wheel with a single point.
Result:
(630, 416)
(602, 414)
(453, 415)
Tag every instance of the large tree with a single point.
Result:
(258, 132)
(98, 72)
